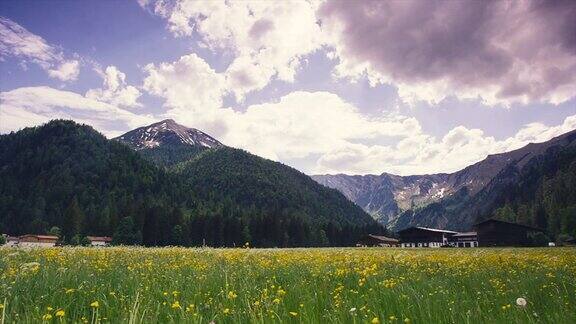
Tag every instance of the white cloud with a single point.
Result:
(115, 91)
(421, 153)
(18, 42)
(67, 71)
(189, 83)
(267, 38)
(31, 106)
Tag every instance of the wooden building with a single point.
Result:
(424, 237)
(494, 232)
(99, 240)
(31, 240)
(377, 240)
(464, 239)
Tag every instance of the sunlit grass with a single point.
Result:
(141, 285)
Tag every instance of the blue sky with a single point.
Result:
(364, 87)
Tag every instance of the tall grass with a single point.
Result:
(140, 285)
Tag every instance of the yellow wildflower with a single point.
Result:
(95, 304)
(47, 317)
(60, 313)
(226, 311)
(232, 295)
(375, 320)
(176, 304)
(294, 314)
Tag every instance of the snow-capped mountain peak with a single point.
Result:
(167, 132)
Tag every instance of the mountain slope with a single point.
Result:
(47, 170)
(454, 200)
(249, 180)
(68, 175)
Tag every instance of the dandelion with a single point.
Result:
(521, 302)
(60, 313)
(95, 304)
(176, 305)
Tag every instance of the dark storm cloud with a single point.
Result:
(523, 48)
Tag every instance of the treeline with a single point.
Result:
(545, 195)
(68, 179)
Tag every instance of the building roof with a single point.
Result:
(99, 238)
(492, 220)
(40, 237)
(384, 238)
(428, 229)
(465, 234)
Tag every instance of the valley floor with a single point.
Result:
(353, 285)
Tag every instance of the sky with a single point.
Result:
(356, 87)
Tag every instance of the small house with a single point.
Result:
(378, 240)
(31, 240)
(99, 240)
(424, 237)
(493, 232)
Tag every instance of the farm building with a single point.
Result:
(424, 237)
(494, 232)
(465, 239)
(99, 240)
(377, 240)
(31, 240)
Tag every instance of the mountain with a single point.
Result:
(166, 143)
(224, 175)
(71, 177)
(458, 200)
(167, 132)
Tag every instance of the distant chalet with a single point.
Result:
(31, 240)
(425, 237)
(491, 232)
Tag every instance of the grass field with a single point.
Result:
(140, 285)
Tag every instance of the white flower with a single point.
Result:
(521, 302)
(352, 310)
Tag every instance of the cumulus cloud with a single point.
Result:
(268, 39)
(31, 106)
(323, 126)
(17, 41)
(421, 153)
(67, 71)
(498, 51)
(114, 90)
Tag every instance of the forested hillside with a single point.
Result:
(67, 178)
